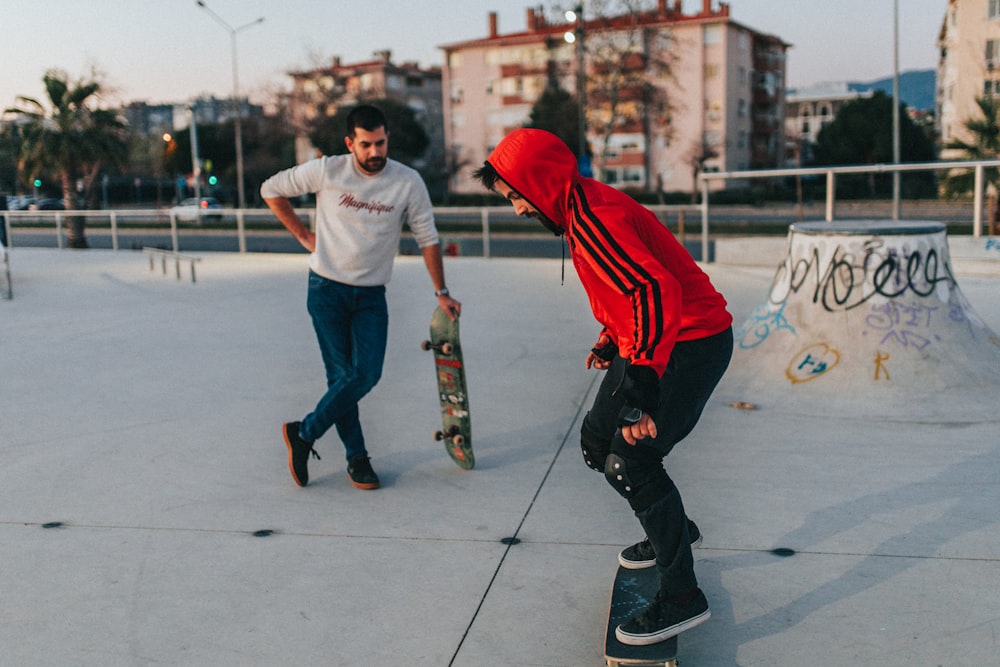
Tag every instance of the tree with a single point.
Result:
(985, 145)
(558, 112)
(8, 159)
(268, 147)
(700, 153)
(407, 138)
(629, 58)
(861, 133)
(71, 140)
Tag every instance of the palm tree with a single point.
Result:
(70, 140)
(985, 145)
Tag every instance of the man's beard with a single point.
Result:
(373, 164)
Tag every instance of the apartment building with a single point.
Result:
(323, 90)
(808, 110)
(717, 105)
(968, 67)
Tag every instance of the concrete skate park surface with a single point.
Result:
(148, 516)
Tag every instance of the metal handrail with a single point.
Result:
(486, 214)
(831, 172)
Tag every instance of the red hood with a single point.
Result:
(546, 179)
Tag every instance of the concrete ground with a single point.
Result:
(147, 515)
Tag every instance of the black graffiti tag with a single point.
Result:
(847, 282)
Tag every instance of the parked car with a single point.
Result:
(50, 204)
(188, 209)
(19, 202)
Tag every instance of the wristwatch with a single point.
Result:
(632, 417)
(442, 292)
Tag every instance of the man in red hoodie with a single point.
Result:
(666, 342)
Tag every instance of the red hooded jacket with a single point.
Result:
(643, 285)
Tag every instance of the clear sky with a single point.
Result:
(172, 50)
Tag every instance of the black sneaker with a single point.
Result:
(641, 555)
(298, 453)
(663, 620)
(359, 469)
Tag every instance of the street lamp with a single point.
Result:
(576, 37)
(895, 109)
(237, 106)
(195, 159)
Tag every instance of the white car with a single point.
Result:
(188, 210)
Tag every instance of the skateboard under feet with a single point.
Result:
(633, 591)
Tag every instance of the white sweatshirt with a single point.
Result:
(359, 217)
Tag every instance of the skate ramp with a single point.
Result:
(866, 318)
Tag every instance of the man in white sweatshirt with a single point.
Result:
(363, 198)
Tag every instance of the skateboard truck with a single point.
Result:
(453, 433)
(444, 347)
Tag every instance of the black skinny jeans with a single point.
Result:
(694, 370)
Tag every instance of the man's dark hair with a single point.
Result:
(486, 175)
(366, 117)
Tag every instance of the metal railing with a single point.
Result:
(831, 175)
(482, 220)
(482, 223)
(150, 217)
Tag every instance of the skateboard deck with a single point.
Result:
(633, 591)
(456, 429)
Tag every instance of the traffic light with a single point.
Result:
(38, 183)
(212, 179)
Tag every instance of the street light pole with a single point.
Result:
(195, 158)
(237, 104)
(895, 109)
(577, 36)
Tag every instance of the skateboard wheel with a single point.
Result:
(438, 435)
(426, 345)
(459, 440)
(446, 348)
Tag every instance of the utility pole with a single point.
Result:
(237, 103)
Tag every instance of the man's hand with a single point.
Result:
(452, 307)
(600, 357)
(644, 428)
(285, 212)
(308, 240)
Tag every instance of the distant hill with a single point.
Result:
(916, 88)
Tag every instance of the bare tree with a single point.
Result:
(629, 61)
(700, 153)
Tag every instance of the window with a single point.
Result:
(711, 71)
(633, 174)
(992, 53)
(713, 34)
(993, 10)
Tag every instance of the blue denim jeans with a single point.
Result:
(351, 326)
(694, 369)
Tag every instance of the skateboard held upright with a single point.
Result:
(453, 394)
(633, 591)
